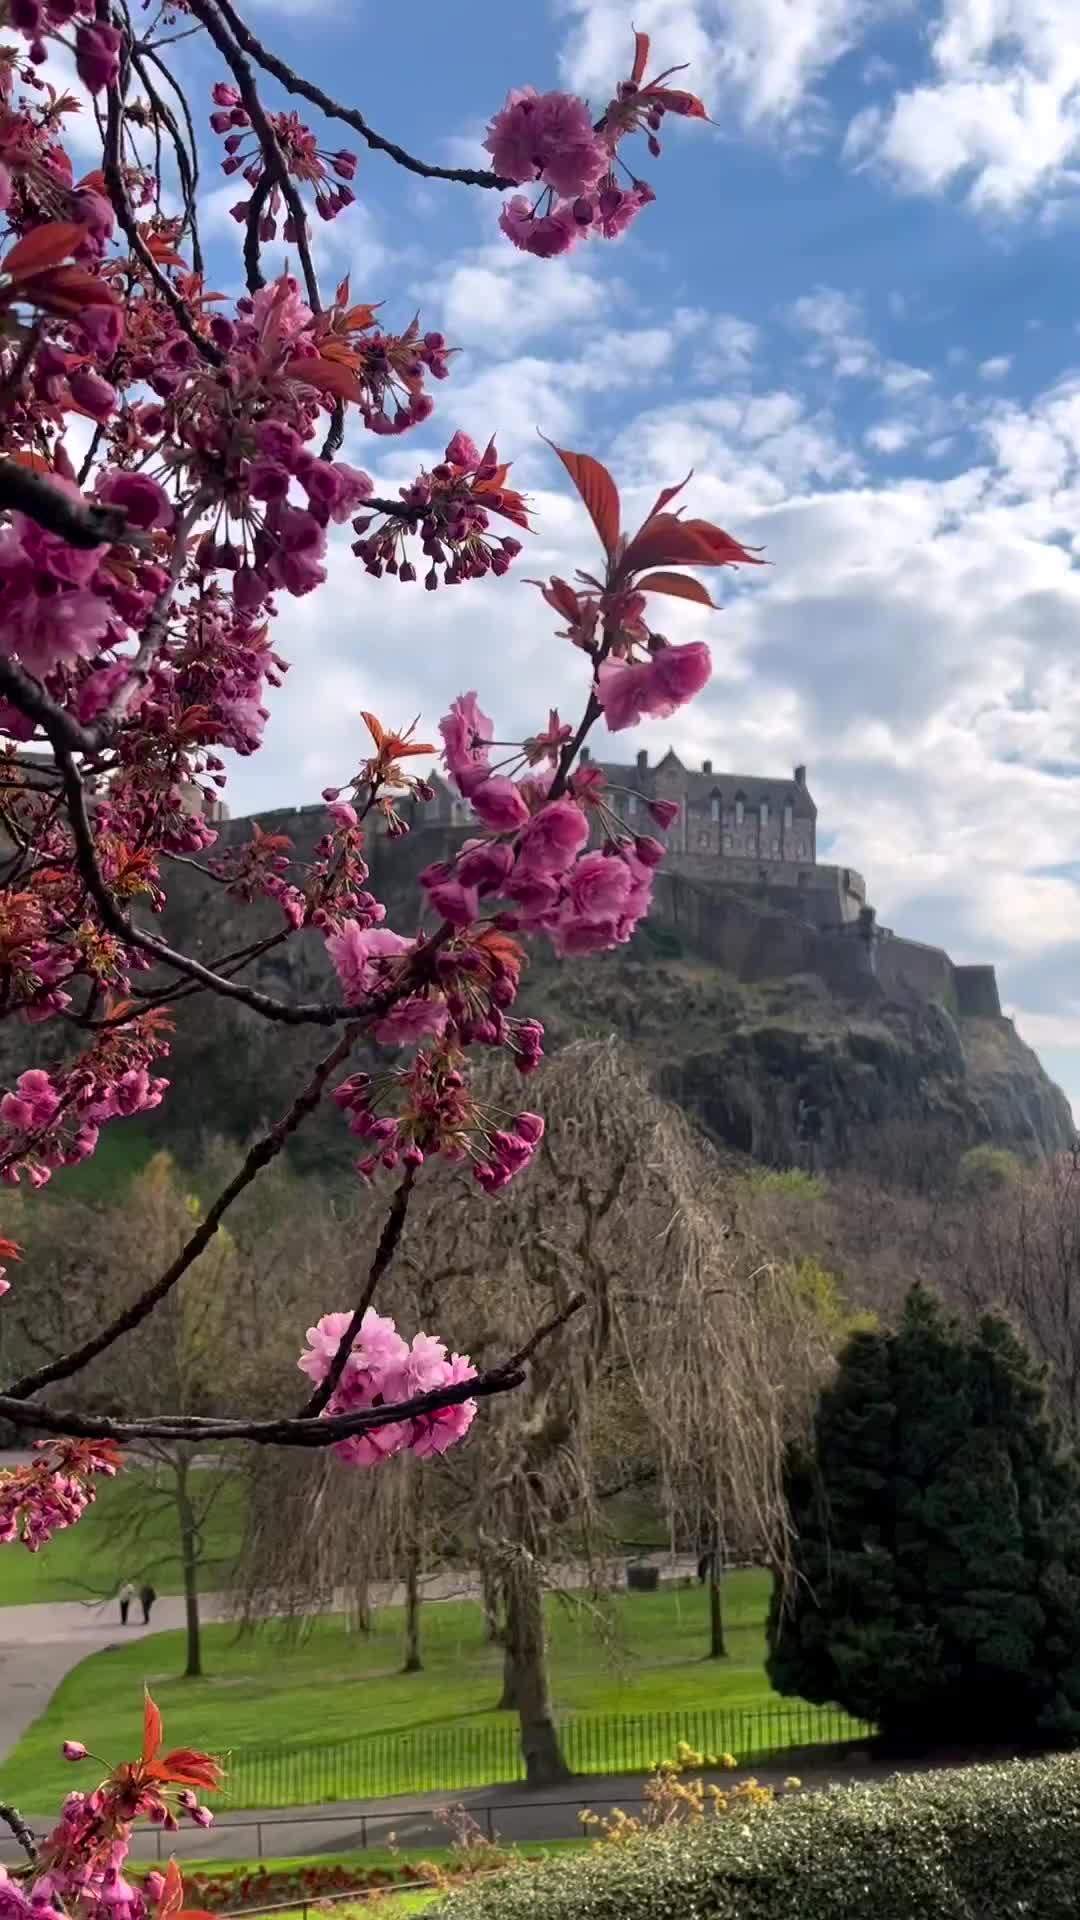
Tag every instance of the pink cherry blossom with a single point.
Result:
(498, 803)
(412, 1019)
(466, 732)
(598, 884)
(546, 234)
(356, 953)
(553, 837)
(549, 137)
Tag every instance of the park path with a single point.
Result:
(39, 1644)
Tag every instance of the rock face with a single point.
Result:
(776, 1042)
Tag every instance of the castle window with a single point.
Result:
(764, 813)
(714, 806)
(787, 816)
(740, 809)
(775, 849)
(631, 804)
(703, 840)
(727, 843)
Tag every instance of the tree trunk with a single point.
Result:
(508, 1700)
(358, 1607)
(413, 1552)
(717, 1645)
(489, 1599)
(527, 1658)
(189, 1560)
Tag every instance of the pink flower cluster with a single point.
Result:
(550, 138)
(53, 1490)
(305, 159)
(384, 1370)
(585, 901)
(408, 1115)
(52, 1120)
(451, 508)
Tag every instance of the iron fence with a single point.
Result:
(431, 1760)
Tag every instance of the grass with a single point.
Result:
(89, 1561)
(331, 1685)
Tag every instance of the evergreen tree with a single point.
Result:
(937, 1541)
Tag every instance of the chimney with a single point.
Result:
(584, 756)
(800, 776)
(706, 766)
(643, 761)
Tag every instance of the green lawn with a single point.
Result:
(89, 1561)
(331, 1686)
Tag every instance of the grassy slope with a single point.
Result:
(262, 1690)
(89, 1561)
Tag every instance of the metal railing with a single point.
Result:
(452, 1759)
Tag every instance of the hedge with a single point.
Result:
(983, 1844)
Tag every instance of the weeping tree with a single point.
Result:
(665, 1376)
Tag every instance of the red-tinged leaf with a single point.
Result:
(172, 1893)
(674, 100)
(189, 1769)
(641, 58)
(342, 293)
(667, 493)
(681, 586)
(151, 1728)
(598, 490)
(35, 461)
(374, 727)
(44, 247)
(667, 541)
(327, 375)
(560, 595)
(67, 290)
(95, 182)
(360, 319)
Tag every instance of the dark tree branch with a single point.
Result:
(125, 214)
(30, 697)
(285, 1432)
(295, 83)
(258, 1157)
(273, 159)
(19, 1828)
(80, 524)
(384, 1253)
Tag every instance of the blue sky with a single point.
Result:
(851, 310)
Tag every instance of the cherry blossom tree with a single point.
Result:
(169, 473)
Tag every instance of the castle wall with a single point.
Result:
(753, 929)
(908, 965)
(977, 993)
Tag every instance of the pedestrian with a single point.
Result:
(147, 1596)
(126, 1596)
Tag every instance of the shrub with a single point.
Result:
(937, 1544)
(992, 1842)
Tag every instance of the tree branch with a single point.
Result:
(286, 1432)
(258, 1157)
(19, 1828)
(273, 158)
(295, 83)
(80, 524)
(118, 195)
(384, 1253)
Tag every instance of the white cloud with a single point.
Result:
(1000, 113)
(890, 436)
(498, 297)
(764, 56)
(996, 367)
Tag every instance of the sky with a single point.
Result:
(851, 312)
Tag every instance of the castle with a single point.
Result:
(742, 877)
(736, 829)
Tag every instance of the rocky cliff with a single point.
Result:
(773, 1039)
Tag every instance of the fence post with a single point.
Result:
(258, 1839)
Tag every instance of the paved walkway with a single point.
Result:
(40, 1644)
